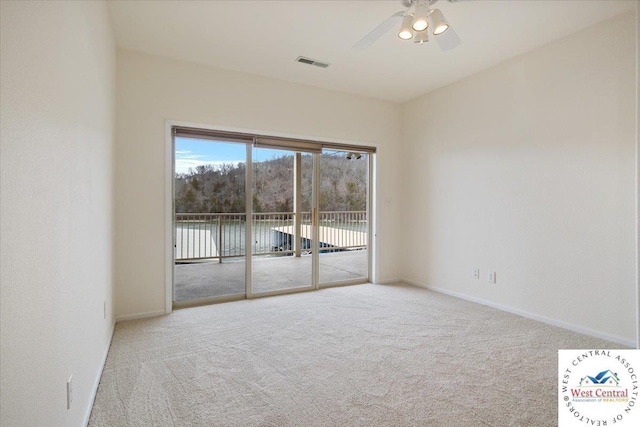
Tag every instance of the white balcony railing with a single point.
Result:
(201, 236)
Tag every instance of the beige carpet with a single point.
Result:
(367, 355)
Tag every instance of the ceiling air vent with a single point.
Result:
(310, 61)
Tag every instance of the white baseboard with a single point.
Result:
(569, 326)
(140, 315)
(96, 382)
(389, 282)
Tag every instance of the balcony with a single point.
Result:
(210, 251)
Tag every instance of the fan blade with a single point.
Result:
(379, 31)
(448, 40)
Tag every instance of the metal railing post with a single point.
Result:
(297, 205)
(219, 239)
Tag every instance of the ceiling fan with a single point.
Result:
(417, 22)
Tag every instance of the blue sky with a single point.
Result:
(194, 152)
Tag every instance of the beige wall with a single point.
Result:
(151, 90)
(57, 100)
(638, 172)
(528, 169)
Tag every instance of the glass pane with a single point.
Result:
(209, 195)
(281, 247)
(343, 216)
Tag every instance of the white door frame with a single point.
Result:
(169, 203)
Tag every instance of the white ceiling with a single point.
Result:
(265, 37)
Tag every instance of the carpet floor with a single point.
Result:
(365, 355)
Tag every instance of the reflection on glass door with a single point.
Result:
(210, 217)
(343, 219)
(282, 231)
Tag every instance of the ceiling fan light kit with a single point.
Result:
(421, 18)
(440, 24)
(421, 37)
(417, 22)
(406, 31)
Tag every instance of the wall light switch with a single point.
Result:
(491, 277)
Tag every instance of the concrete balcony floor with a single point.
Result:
(194, 281)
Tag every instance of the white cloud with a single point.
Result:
(185, 161)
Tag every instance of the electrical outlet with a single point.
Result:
(491, 277)
(476, 273)
(69, 392)
(104, 310)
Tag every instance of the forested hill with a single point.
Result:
(216, 189)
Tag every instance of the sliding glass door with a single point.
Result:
(210, 220)
(282, 226)
(343, 217)
(255, 218)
